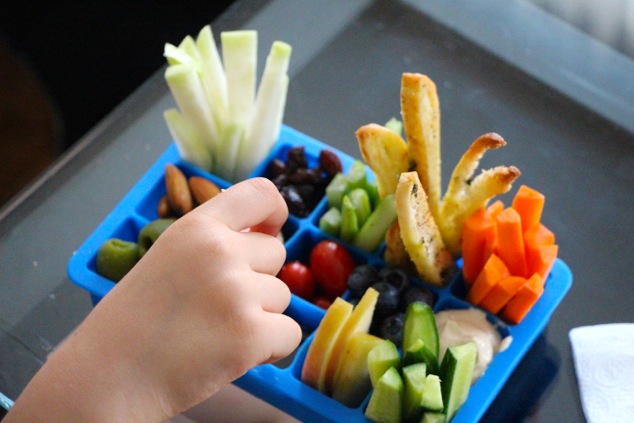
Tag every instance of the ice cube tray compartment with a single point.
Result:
(281, 386)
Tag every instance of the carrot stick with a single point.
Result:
(509, 241)
(495, 208)
(523, 300)
(501, 293)
(493, 271)
(478, 234)
(544, 260)
(533, 239)
(529, 204)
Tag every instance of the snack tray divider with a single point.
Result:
(279, 386)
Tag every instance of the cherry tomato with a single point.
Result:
(299, 279)
(331, 264)
(322, 301)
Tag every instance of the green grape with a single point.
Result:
(150, 233)
(116, 257)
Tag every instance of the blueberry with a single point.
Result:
(361, 278)
(388, 300)
(418, 293)
(391, 328)
(395, 276)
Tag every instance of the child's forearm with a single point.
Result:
(85, 382)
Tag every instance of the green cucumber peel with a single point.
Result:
(420, 323)
(456, 372)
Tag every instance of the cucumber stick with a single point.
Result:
(456, 372)
(386, 402)
(420, 325)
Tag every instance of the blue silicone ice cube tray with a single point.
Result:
(281, 386)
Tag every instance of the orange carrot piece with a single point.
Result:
(533, 239)
(544, 260)
(510, 242)
(493, 271)
(495, 208)
(529, 204)
(523, 300)
(478, 234)
(501, 293)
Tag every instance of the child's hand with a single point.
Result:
(201, 308)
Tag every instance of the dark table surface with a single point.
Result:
(563, 101)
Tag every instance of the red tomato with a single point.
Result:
(331, 264)
(299, 279)
(322, 301)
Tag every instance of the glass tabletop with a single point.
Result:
(563, 101)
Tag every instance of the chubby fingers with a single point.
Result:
(254, 204)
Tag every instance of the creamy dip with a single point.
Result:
(457, 327)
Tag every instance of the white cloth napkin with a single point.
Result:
(604, 364)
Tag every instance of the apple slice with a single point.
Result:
(352, 380)
(359, 321)
(320, 350)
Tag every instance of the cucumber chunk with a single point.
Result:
(381, 358)
(420, 324)
(414, 385)
(419, 352)
(386, 402)
(433, 417)
(456, 372)
(432, 394)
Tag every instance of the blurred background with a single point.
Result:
(65, 65)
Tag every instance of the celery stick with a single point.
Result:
(373, 231)
(395, 125)
(356, 175)
(268, 109)
(336, 189)
(188, 93)
(188, 45)
(189, 146)
(175, 55)
(349, 220)
(213, 74)
(228, 146)
(330, 222)
(361, 202)
(239, 53)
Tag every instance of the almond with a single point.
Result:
(178, 194)
(202, 189)
(163, 209)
